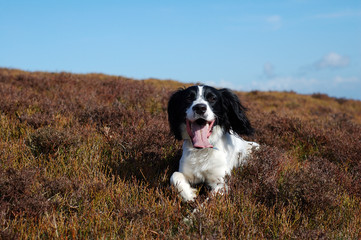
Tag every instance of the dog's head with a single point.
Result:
(194, 112)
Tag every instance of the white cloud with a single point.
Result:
(347, 13)
(268, 70)
(345, 80)
(332, 61)
(275, 21)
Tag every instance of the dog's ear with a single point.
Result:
(175, 113)
(235, 114)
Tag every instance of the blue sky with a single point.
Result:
(306, 46)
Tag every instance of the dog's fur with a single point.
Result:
(220, 114)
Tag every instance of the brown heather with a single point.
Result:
(90, 156)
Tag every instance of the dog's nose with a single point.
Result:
(200, 108)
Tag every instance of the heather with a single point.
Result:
(89, 156)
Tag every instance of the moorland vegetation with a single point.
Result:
(89, 156)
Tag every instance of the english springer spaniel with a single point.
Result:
(210, 122)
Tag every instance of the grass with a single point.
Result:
(90, 156)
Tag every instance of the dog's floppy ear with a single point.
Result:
(175, 113)
(235, 114)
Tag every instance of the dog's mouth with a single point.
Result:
(199, 131)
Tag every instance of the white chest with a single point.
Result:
(202, 164)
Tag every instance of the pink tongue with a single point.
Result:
(200, 136)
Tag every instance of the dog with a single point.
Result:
(210, 122)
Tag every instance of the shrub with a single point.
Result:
(49, 141)
(20, 193)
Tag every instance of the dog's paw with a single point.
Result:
(189, 194)
(220, 189)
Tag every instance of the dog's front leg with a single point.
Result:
(218, 186)
(216, 180)
(180, 182)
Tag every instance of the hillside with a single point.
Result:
(90, 156)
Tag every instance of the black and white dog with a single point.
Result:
(210, 122)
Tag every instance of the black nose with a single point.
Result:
(200, 108)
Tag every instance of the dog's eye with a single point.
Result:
(190, 97)
(211, 98)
